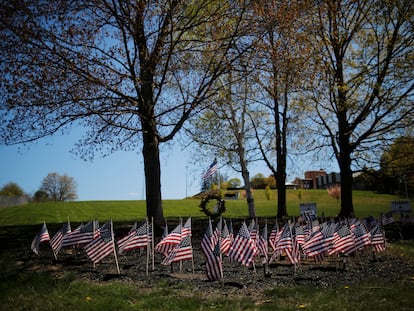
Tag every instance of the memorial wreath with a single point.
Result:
(213, 206)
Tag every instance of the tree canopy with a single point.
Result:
(362, 89)
(12, 189)
(130, 72)
(58, 187)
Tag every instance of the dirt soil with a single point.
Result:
(238, 280)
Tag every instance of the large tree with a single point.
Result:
(397, 164)
(59, 187)
(225, 130)
(130, 72)
(363, 95)
(281, 60)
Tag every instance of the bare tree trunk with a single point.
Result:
(152, 167)
(344, 161)
(249, 194)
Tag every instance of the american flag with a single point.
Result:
(206, 241)
(211, 170)
(262, 243)
(253, 230)
(387, 219)
(343, 241)
(186, 228)
(243, 249)
(170, 241)
(56, 241)
(225, 241)
(275, 234)
(377, 238)
(286, 244)
(136, 238)
(81, 235)
(320, 242)
(231, 233)
(214, 263)
(362, 236)
(299, 234)
(102, 246)
(124, 241)
(217, 232)
(182, 251)
(285, 239)
(40, 237)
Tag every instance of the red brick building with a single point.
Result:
(311, 179)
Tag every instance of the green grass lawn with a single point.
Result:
(28, 290)
(23, 289)
(366, 203)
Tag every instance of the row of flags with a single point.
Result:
(295, 240)
(98, 241)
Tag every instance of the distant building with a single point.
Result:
(311, 179)
(320, 180)
(328, 180)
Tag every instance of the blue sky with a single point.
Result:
(119, 176)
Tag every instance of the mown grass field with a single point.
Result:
(366, 203)
(25, 289)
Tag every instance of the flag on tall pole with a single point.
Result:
(211, 170)
(41, 236)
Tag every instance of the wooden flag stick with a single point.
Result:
(191, 245)
(148, 250)
(152, 243)
(53, 251)
(93, 237)
(113, 247)
(221, 255)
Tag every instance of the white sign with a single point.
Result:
(403, 206)
(308, 210)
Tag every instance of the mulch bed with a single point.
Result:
(363, 266)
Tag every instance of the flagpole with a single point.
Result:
(113, 247)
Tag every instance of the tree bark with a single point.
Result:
(249, 195)
(152, 168)
(344, 161)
